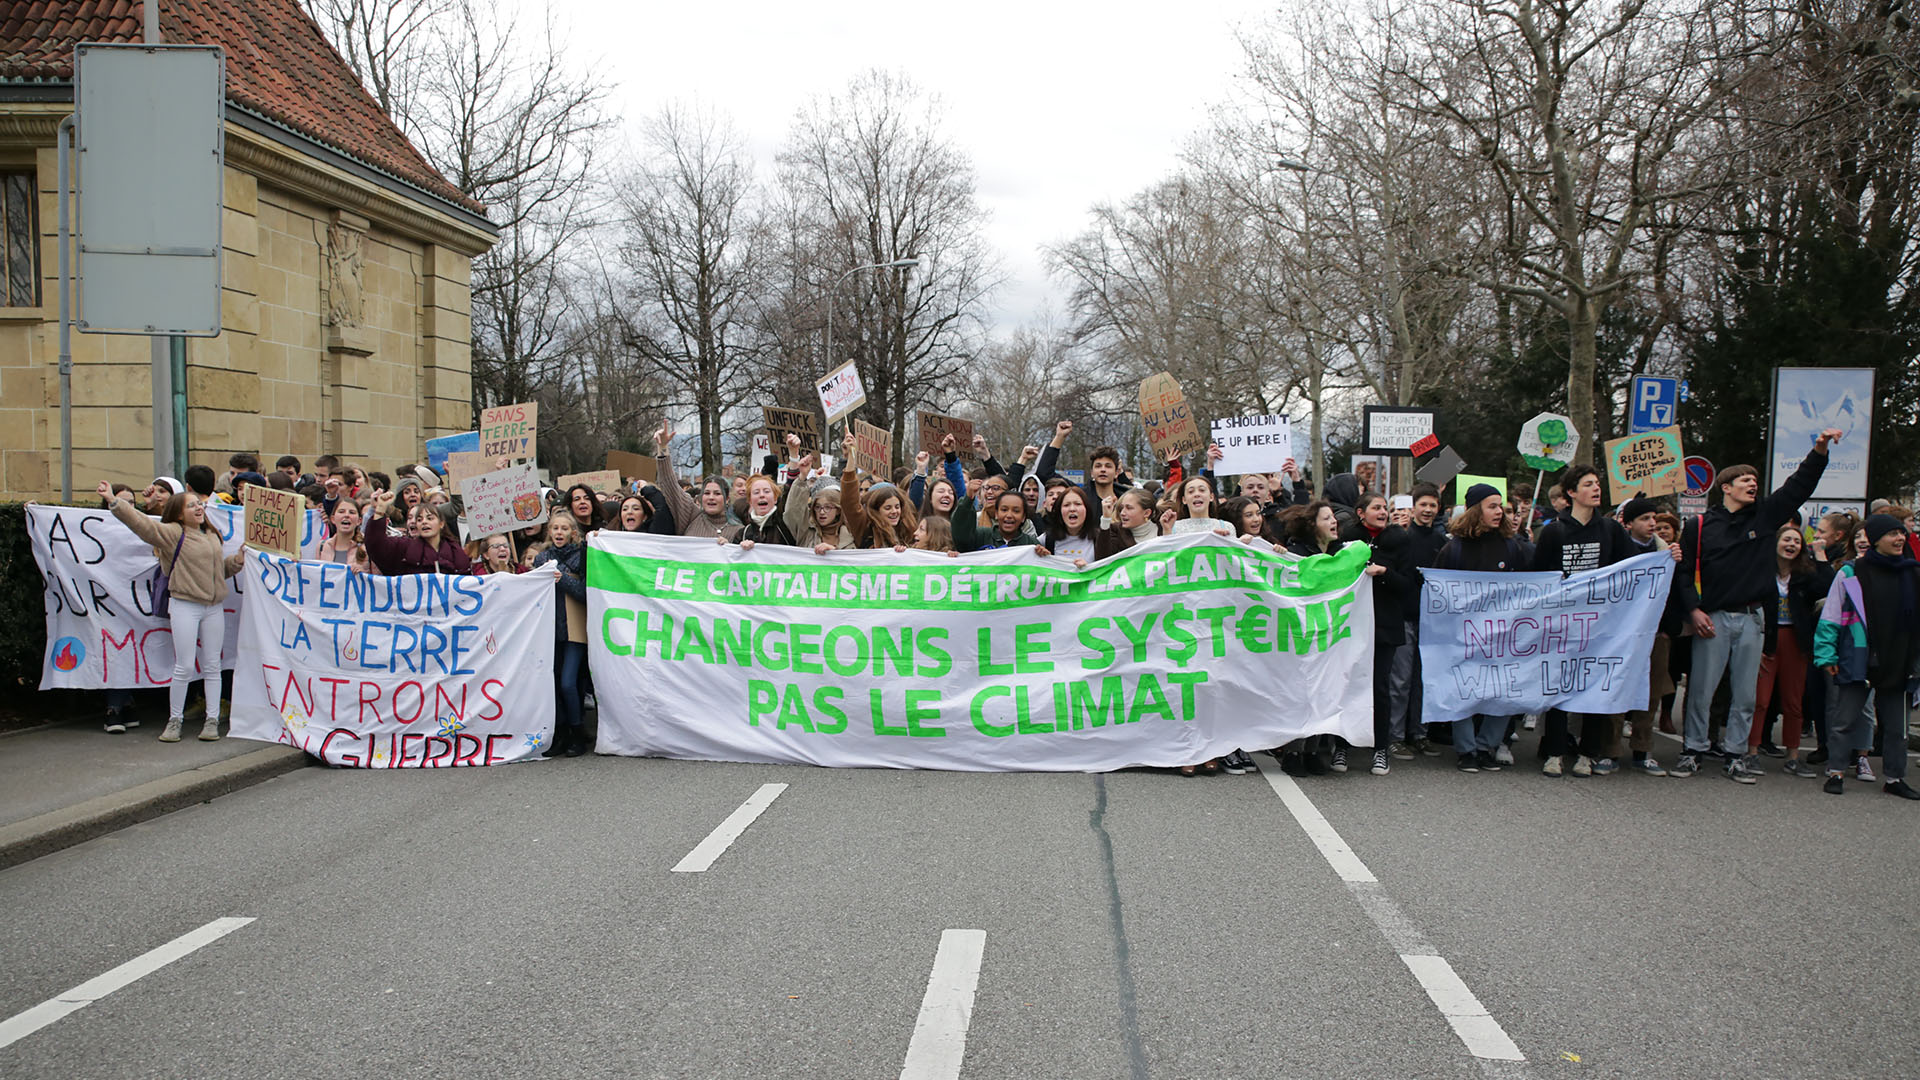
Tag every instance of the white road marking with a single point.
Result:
(708, 851)
(21, 1025)
(940, 1034)
(1335, 850)
(1476, 1028)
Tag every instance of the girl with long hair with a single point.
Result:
(566, 548)
(1787, 654)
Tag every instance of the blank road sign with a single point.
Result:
(152, 154)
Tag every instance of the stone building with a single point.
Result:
(346, 263)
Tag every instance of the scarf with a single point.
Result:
(1903, 567)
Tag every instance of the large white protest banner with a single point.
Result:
(1169, 653)
(419, 671)
(101, 631)
(1505, 644)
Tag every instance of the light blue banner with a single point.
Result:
(1506, 644)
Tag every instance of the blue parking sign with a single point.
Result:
(1655, 403)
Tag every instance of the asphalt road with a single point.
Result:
(526, 921)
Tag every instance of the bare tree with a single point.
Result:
(872, 179)
(694, 259)
(389, 44)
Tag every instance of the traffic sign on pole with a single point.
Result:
(1699, 475)
(1655, 403)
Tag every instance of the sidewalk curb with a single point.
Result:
(63, 828)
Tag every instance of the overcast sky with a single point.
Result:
(1059, 105)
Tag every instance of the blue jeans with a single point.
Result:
(1477, 733)
(1738, 639)
(569, 658)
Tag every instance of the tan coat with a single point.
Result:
(200, 574)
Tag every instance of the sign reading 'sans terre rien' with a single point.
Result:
(510, 430)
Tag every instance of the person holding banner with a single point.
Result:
(764, 522)
(1483, 541)
(1579, 538)
(191, 553)
(567, 551)
(1726, 584)
(1396, 583)
(1641, 519)
(708, 516)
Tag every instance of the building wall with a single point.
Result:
(321, 350)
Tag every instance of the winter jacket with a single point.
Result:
(200, 573)
(1047, 468)
(1804, 602)
(394, 553)
(685, 509)
(1861, 630)
(1396, 592)
(572, 587)
(969, 536)
(1427, 540)
(796, 507)
(1734, 551)
(1486, 553)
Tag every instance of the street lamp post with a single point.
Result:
(907, 263)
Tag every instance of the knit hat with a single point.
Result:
(1636, 507)
(427, 476)
(1478, 493)
(248, 478)
(174, 487)
(1879, 525)
(407, 482)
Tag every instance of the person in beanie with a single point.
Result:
(1726, 584)
(1482, 541)
(1868, 640)
(1641, 517)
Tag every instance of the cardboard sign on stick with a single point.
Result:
(273, 519)
(801, 422)
(1548, 442)
(841, 392)
(872, 448)
(1168, 419)
(462, 465)
(638, 466)
(504, 500)
(599, 481)
(934, 427)
(1647, 464)
(510, 430)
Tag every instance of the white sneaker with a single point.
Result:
(172, 731)
(210, 731)
(1503, 754)
(1530, 721)
(1554, 767)
(1583, 766)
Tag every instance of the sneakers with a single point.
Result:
(1834, 785)
(1686, 766)
(1738, 772)
(1530, 721)
(1380, 765)
(1862, 771)
(1468, 763)
(1553, 767)
(1237, 763)
(1900, 788)
(1818, 757)
(1427, 747)
(1340, 759)
(1583, 766)
(1605, 766)
(210, 731)
(116, 722)
(1291, 763)
(1492, 762)
(1502, 755)
(1795, 767)
(1651, 766)
(1771, 750)
(1403, 751)
(172, 731)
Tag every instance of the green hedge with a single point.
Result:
(23, 631)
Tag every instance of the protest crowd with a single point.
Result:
(1769, 616)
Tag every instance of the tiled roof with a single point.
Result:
(279, 65)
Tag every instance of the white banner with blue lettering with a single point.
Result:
(419, 671)
(1506, 644)
(100, 629)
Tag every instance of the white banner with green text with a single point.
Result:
(1167, 654)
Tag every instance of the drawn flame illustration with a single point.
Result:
(66, 659)
(348, 650)
(493, 647)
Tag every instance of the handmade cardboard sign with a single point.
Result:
(936, 426)
(599, 480)
(273, 519)
(510, 430)
(1168, 420)
(801, 422)
(1647, 464)
(1252, 444)
(464, 465)
(637, 466)
(1548, 442)
(841, 392)
(504, 500)
(872, 448)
